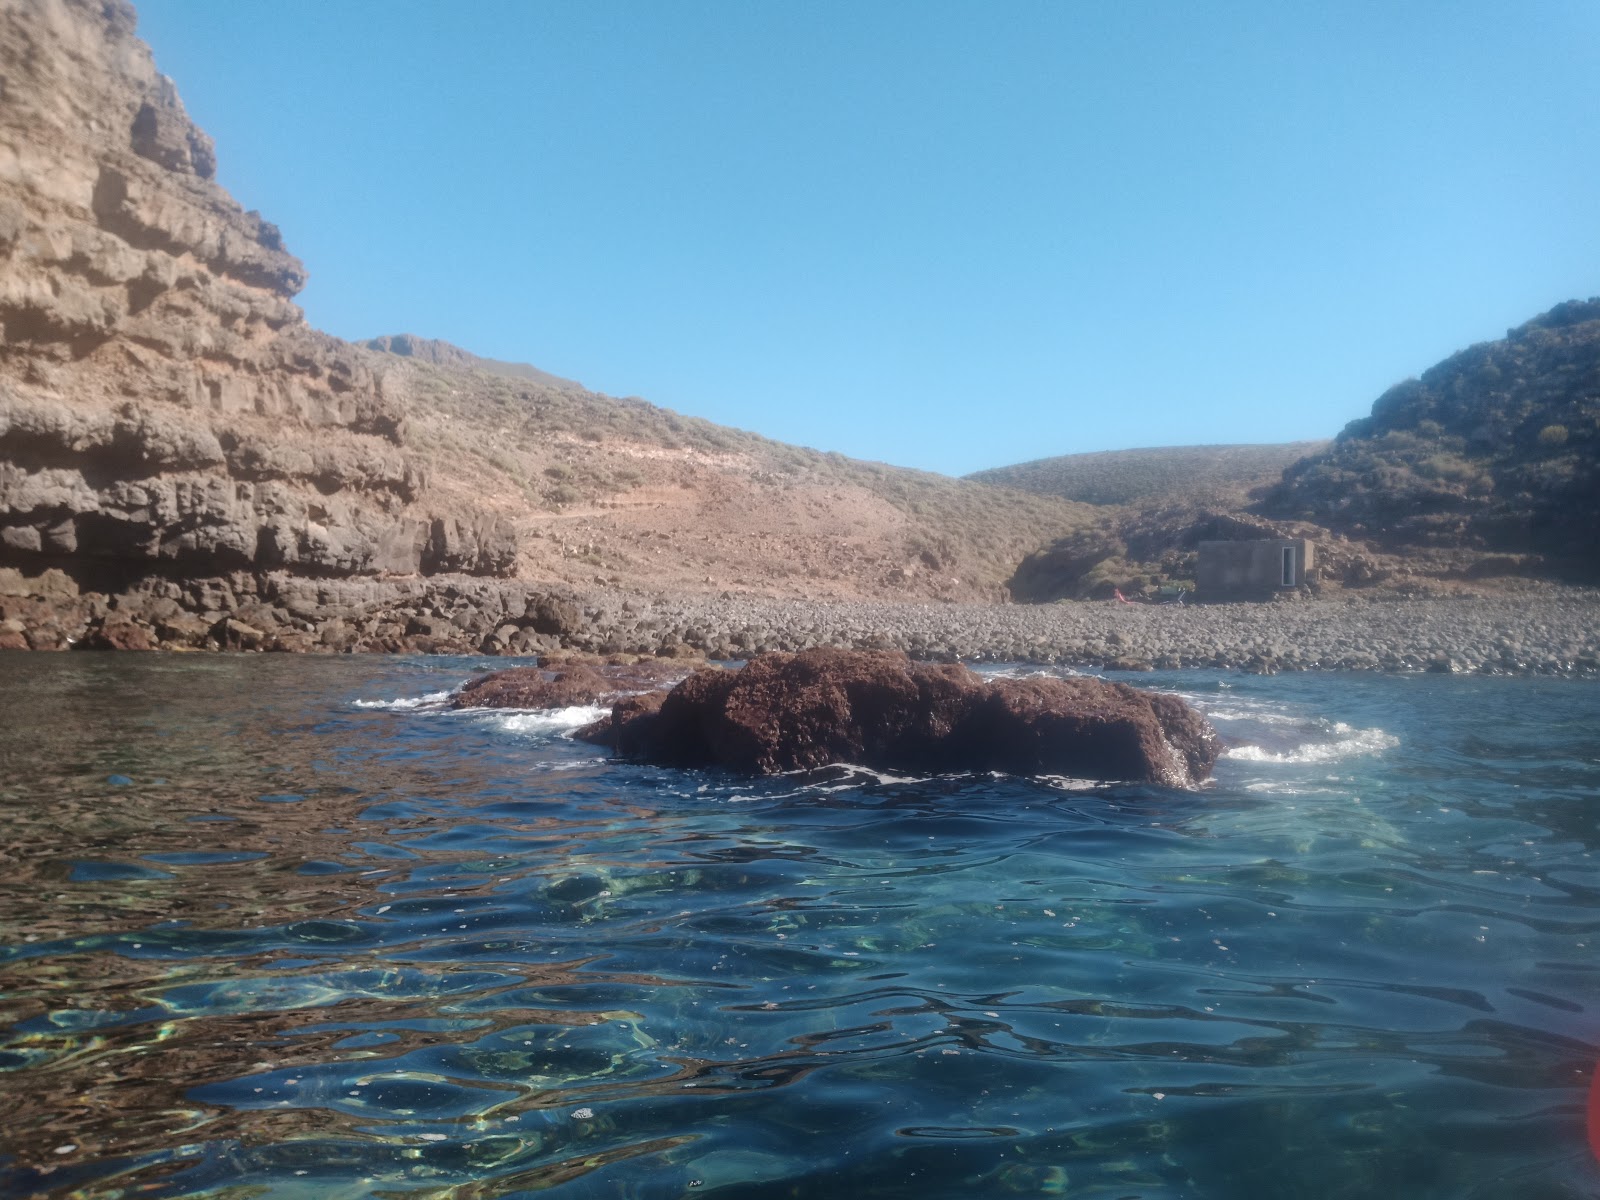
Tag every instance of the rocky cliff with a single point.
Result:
(185, 462)
(165, 411)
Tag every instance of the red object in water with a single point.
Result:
(1594, 1111)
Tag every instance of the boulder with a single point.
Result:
(553, 615)
(118, 635)
(874, 708)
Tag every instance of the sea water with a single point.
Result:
(291, 927)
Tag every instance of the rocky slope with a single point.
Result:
(601, 490)
(1488, 466)
(184, 462)
(174, 434)
(443, 354)
(1496, 450)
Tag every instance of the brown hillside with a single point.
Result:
(167, 413)
(621, 491)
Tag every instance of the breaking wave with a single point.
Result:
(429, 701)
(1344, 741)
(552, 720)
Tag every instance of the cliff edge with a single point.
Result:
(165, 410)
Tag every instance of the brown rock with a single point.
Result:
(232, 634)
(119, 635)
(784, 712)
(628, 728)
(571, 684)
(553, 615)
(162, 400)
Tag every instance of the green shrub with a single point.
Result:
(1448, 467)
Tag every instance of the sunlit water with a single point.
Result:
(283, 927)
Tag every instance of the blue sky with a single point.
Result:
(942, 235)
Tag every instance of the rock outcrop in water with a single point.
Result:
(164, 407)
(564, 681)
(784, 712)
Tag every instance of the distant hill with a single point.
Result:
(1163, 474)
(1488, 465)
(1497, 448)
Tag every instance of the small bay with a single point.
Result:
(289, 927)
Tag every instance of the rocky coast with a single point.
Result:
(1531, 629)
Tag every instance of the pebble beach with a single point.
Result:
(1543, 631)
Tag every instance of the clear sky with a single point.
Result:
(948, 235)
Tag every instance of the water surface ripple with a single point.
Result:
(283, 927)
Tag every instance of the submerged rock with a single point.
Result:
(878, 708)
(558, 683)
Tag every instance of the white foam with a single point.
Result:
(1031, 671)
(1348, 742)
(552, 720)
(1261, 716)
(431, 700)
(1067, 783)
(840, 777)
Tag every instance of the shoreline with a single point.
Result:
(1536, 628)
(1553, 631)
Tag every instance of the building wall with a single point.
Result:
(1252, 570)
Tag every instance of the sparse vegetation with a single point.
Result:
(1189, 474)
(1495, 448)
(569, 448)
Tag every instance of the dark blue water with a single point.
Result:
(261, 936)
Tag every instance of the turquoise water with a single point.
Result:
(281, 927)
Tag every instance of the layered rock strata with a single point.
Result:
(165, 410)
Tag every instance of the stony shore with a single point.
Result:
(1541, 630)
(1527, 629)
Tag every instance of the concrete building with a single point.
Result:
(1252, 570)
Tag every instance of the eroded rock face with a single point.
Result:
(274, 610)
(784, 712)
(162, 400)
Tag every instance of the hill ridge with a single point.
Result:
(1154, 473)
